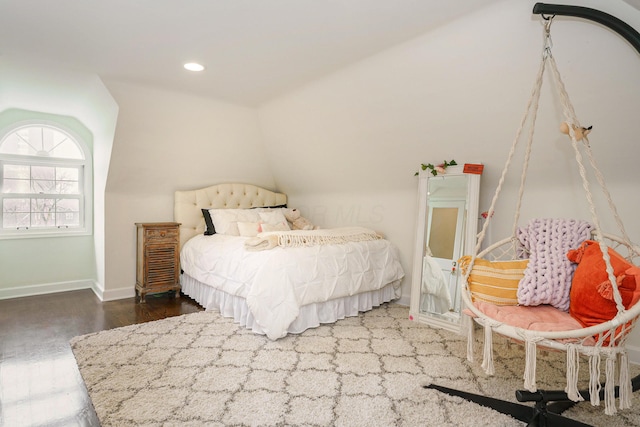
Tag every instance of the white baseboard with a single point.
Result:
(75, 285)
(115, 294)
(45, 288)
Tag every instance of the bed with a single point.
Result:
(280, 290)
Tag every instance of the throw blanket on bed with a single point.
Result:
(547, 278)
(299, 238)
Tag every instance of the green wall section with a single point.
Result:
(38, 261)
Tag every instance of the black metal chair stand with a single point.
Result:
(549, 405)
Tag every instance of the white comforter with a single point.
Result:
(277, 282)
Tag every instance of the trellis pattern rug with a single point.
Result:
(201, 369)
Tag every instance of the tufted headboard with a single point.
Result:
(187, 204)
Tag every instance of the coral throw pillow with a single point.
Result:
(591, 297)
(495, 282)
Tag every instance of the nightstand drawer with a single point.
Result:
(152, 234)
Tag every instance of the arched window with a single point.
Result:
(45, 182)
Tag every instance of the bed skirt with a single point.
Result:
(311, 315)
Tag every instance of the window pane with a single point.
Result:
(15, 220)
(42, 219)
(15, 144)
(15, 205)
(67, 180)
(43, 179)
(68, 212)
(68, 205)
(16, 186)
(69, 219)
(41, 204)
(67, 174)
(42, 212)
(58, 144)
(44, 187)
(41, 141)
(17, 171)
(66, 187)
(15, 213)
(43, 172)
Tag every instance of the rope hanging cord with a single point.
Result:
(571, 119)
(609, 336)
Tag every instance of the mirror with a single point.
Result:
(446, 230)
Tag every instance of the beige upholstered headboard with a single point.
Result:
(188, 204)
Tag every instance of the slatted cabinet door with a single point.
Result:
(158, 258)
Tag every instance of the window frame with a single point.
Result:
(85, 183)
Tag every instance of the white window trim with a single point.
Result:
(87, 184)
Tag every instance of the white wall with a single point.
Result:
(351, 142)
(167, 141)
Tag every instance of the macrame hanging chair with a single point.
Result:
(604, 342)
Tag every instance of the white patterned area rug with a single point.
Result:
(203, 370)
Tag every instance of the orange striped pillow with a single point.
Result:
(495, 282)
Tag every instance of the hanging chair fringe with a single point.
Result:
(609, 385)
(573, 368)
(530, 364)
(470, 325)
(594, 378)
(626, 389)
(487, 356)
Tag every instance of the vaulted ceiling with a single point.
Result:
(253, 50)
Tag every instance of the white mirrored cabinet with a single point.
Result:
(446, 230)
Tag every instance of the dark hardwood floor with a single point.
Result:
(40, 384)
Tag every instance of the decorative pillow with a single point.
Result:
(274, 217)
(210, 230)
(249, 229)
(547, 279)
(226, 221)
(592, 300)
(495, 282)
(275, 227)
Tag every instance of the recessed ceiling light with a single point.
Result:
(193, 66)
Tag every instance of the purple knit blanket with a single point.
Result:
(547, 278)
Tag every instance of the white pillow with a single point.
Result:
(274, 217)
(275, 227)
(249, 229)
(226, 221)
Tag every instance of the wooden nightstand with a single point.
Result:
(157, 258)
